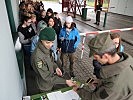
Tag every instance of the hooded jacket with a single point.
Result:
(116, 81)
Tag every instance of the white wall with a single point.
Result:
(15, 9)
(123, 7)
(129, 8)
(113, 6)
(10, 80)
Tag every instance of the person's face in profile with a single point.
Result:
(116, 42)
(101, 59)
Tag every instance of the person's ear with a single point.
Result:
(106, 55)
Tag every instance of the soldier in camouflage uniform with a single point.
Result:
(48, 75)
(115, 76)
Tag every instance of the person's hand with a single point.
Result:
(70, 83)
(93, 85)
(59, 49)
(30, 39)
(58, 72)
(62, 38)
(95, 82)
(76, 87)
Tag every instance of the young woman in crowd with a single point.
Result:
(42, 16)
(70, 39)
(57, 27)
(117, 41)
(49, 13)
(51, 23)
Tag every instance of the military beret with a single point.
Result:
(47, 33)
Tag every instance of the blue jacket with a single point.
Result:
(69, 42)
(34, 43)
(121, 48)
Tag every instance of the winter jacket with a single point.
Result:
(44, 66)
(97, 65)
(116, 81)
(69, 41)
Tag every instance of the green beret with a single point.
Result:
(47, 33)
(100, 43)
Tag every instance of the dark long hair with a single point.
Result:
(116, 35)
(72, 25)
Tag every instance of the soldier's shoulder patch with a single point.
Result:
(39, 64)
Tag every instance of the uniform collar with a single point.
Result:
(43, 48)
(115, 69)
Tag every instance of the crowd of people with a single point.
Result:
(49, 45)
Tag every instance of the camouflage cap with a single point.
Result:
(100, 44)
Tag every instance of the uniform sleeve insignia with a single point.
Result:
(39, 64)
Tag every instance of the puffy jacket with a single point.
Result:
(69, 41)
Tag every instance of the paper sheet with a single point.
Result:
(55, 95)
(68, 95)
